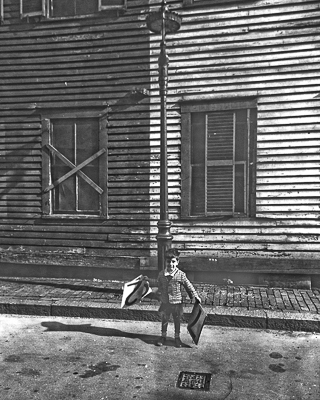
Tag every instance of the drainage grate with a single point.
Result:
(194, 380)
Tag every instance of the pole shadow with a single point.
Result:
(53, 326)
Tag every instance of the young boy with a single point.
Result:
(170, 281)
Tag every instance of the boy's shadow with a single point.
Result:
(94, 330)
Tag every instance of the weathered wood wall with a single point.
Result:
(265, 49)
(268, 50)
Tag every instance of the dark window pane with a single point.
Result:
(109, 3)
(241, 143)
(239, 187)
(87, 145)
(63, 8)
(198, 145)
(87, 138)
(85, 7)
(64, 194)
(198, 153)
(88, 197)
(30, 6)
(63, 139)
(198, 186)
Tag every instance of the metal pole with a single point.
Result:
(164, 237)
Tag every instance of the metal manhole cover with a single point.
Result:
(194, 380)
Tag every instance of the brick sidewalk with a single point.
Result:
(97, 291)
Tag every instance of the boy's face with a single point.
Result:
(171, 263)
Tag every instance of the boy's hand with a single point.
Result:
(154, 295)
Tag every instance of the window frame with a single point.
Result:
(1, 12)
(195, 3)
(47, 197)
(40, 13)
(111, 7)
(208, 106)
(47, 10)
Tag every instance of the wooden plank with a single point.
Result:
(19, 190)
(72, 243)
(125, 262)
(287, 158)
(263, 229)
(11, 208)
(249, 239)
(75, 169)
(76, 236)
(294, 180)
(288, 193)
(11, 180)
(287, 201)
(20, 185)
(287, 173)
(56, 225)
(13, 203)
(289, 215)
(33, 159)
(253, 264)
(11, 251)
(288, 208)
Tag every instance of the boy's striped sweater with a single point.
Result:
(170, 287)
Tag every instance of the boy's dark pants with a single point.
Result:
(166, 310)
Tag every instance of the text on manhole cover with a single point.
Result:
(194, 380)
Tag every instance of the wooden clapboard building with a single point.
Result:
(80, 139)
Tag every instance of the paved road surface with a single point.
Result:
(55, 358)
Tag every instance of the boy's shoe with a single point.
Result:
(161, 341)
(178, 342)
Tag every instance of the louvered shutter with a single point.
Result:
(219, 162)
(218, 159)
(212, 163)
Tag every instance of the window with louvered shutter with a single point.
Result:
(218, 149)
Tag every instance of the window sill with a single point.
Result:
(200, 3)
(196, 221)
(46, 19)
(72, 217)
(217, 216)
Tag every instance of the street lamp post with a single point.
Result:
(163, 21)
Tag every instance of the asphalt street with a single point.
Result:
(57, 358)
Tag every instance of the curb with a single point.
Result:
(219, 316)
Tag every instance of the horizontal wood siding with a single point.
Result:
(81, 64)
(268, 50)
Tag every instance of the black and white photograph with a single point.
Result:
(159, 200)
